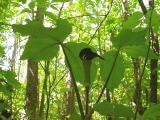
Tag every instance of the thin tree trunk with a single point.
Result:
(154, 68)
(108, 99)
(32, 91)
(70, 96)
(46, 70)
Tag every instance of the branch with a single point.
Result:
(143, 7)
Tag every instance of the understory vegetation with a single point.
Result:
(79, 60)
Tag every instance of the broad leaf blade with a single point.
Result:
(40, 49)
(104, 108)
(75, 116)
(36, 30)
(139, 51)
(128, 37)
(152, 113)
(122, 111)
(115, 110)
(155, 20)
(118, 70)
(133, 20)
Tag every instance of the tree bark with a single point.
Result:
(46, 70)
(154, 68)
(70, 96)
(32, 90)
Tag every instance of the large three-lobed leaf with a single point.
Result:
(43, 43)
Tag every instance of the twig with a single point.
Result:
(86, 15)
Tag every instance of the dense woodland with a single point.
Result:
(79, 60)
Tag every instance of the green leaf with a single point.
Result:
(104, 108)
(51, 15)
(43, 3)
(115, 110)
(31, 5)
(40, 49)
(133, 20)
(43, 43)
(139, 51)
(61, 0)
(8, 82)
(63, 29)
(129, 37)
(26, 10)
(122, 111)
(54, 8)
(155, 20)
(11, 79)
(72, 50)
(75, 116)
(1, 51)
(4, 90)
(23, 1)
(118, 70)
(152, 113)
(36, 30)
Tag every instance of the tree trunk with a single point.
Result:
(46, 70)
(70, 97)
(32, 91)
(154, 68)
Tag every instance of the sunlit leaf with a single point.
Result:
(36, 30)
(43, 42)
(11, 79)
(31, 5)
(8, 82)
(133, 20)
(139, 51)
(129, 37)
(1, 51)
(155, 20)
(61, 0)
